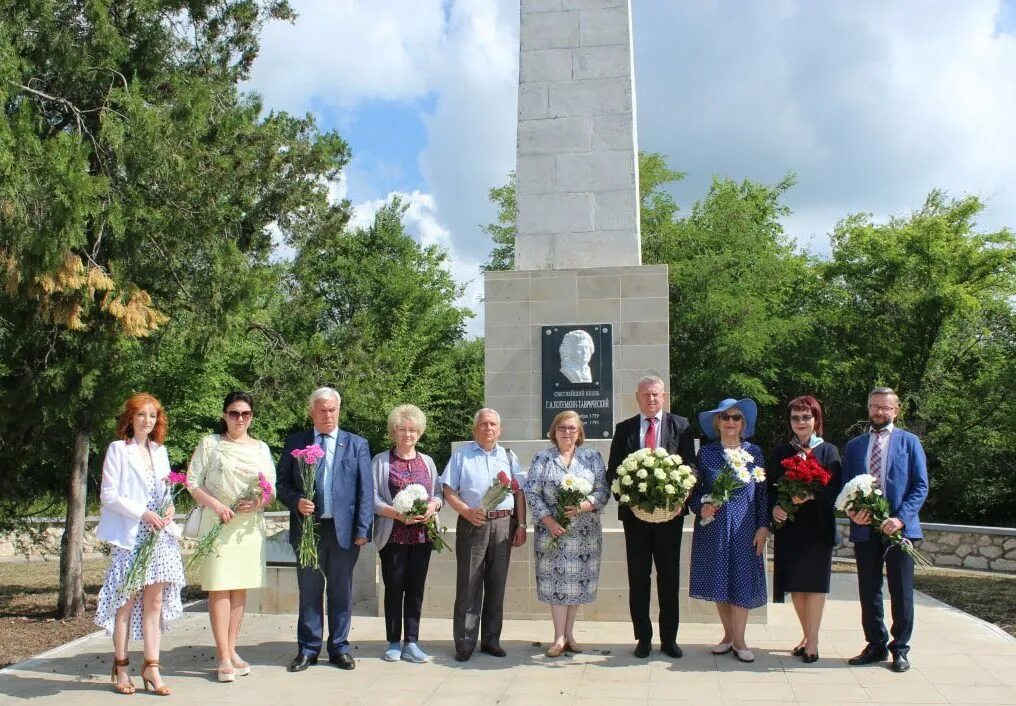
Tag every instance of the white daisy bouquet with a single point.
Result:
(736, 473)
(862, 493)
(571, 491)
(412, 501)
(653, 483)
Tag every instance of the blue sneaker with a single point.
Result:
(393, 653)
(411, 652)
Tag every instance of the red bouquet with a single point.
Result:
(802, 477)
(499, 490)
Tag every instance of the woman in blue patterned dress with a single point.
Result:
(567, 573)
(133, 489)
(728, 553)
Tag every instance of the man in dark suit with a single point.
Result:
(343, 504)
(647, 543)
(896, 459)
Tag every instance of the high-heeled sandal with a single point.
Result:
(127, 688)
(149, 684)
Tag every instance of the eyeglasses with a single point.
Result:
(731, 417)
(881, 408)
(795, 418)
(568, 430)
(234, 415)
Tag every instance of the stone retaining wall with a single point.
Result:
(957, 546)
(41, 540)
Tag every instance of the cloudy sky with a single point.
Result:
(872, 104)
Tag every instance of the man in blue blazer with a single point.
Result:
(343, 503)
(896, 458)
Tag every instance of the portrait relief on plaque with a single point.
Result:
(576, 351)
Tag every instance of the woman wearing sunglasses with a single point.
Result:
(728, 551)
(224, 467)
(803, 548)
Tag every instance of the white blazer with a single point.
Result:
(124, 494)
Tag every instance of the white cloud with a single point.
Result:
(341, 52)
(871, 104)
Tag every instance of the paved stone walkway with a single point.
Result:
(956, 659)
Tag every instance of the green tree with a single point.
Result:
(502, 233)
(372, 312)
(924, 303)
(137, 185)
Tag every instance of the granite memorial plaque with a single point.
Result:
(577, 371)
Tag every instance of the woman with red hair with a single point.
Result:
(134, 489)
(803, 547)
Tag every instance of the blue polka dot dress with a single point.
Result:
(724, 565)
(165, 567)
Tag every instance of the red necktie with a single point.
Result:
(651, 434)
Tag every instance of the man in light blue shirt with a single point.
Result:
(483, 538)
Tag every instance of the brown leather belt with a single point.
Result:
(495, 514)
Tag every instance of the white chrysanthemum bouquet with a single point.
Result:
(736, 473)
(571, 491)
(862, 493)
(411, 503)
(654, 483)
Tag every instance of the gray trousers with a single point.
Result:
(481, 554)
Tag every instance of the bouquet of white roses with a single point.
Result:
(412, 501)
(862, 493)
(734, 475)
(653, 483)
(571, 491)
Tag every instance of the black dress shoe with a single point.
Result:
(869, 655)
(642, 649)
(462, 656)
(900, 664)
(343, 661)
(494, 651)
(798, 651)
(301, 662)
(672, 649)
(809, 659)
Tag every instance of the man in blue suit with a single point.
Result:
(343, 503)
(896, 459)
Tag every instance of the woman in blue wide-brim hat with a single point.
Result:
(728, 546)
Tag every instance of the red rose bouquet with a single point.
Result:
(499, 490)
(802, 477)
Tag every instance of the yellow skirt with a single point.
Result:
(238, 559)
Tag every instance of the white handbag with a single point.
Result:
(193, 524)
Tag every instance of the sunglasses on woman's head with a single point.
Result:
(795, 418)
(731, 417)
(234, 415)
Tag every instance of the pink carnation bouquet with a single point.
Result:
(258, 490)
(134, 581)
(308, 458)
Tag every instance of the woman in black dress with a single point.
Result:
(804, 547)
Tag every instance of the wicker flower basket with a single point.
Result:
(656, 516)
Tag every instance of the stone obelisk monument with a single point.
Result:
(580, 319)
(577, 250)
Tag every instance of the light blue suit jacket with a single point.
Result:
(906, 479)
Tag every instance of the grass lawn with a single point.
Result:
(28, 595)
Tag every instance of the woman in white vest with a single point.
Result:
(134, 491)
